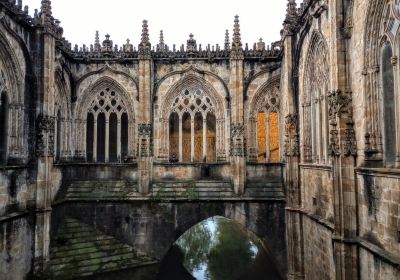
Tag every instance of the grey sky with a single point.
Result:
(206, 19)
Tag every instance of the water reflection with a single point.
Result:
(218, 249)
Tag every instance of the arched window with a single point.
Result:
(388, 98)
(4, 108)
(265, 146)
(192, 128)
(107, 128)
(314, 121)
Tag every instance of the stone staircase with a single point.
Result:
(200, 189)
(94, 190)
(79, 250)
(271, 188)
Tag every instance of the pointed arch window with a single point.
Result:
(107, 128)
(192, 128)
(265, 145)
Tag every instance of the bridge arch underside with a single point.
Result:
(152, 227)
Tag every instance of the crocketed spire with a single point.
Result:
(227, 42)
(237, 41)
(237, 50)
(97, 46)
(145, 46)
(145, 34)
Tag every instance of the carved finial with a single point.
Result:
(128, 47)
(107, 44)
(145, 34)
(260, 45)
(161, 45)
(97, 46)
(145, 46)
(227, 43)
(237, 41)
(191, 44)
(45, 9)
(291, 8)
(237, 51)
(161, 37)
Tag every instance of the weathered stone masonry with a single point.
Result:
(310, 123)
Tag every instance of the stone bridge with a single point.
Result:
(151, 223)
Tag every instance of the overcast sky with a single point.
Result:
(206, 19)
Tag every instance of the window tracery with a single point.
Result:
(264, 125)
(107, 128)
(315, 121)
(192, 127)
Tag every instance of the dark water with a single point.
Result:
(216, 249)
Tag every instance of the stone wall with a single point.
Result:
(16, 235)
(153, 227)
(318, 251)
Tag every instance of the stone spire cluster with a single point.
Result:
(232, 50)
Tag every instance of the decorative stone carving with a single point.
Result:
(291, 146)
(144, 133)
(339, 104)
(238, 140)
(45, 135)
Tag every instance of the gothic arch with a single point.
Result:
(195, 71)
(63, 116)
(313, 97)
(263, 120)
(13, 87)
(104, 70)
(108, 99)
(201, 98)
(382, 37)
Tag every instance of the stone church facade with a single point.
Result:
(320, 109)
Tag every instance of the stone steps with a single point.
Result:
(202, 189)
(101, 190)
(79, 250)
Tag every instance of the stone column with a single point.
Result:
(238, 140)
(343, 148)
(192, 139)
(204, 138)
(119, 156)
(290, 110)
(145, 128)
(107, 140)
(395, 61)
(180, 139)
(268, 138)
(95, 139)
(45, 130)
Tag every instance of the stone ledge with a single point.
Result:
(316, 166)
(379, 172)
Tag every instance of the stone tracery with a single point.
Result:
(106, 115)
(264, 124)
(314, 107)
